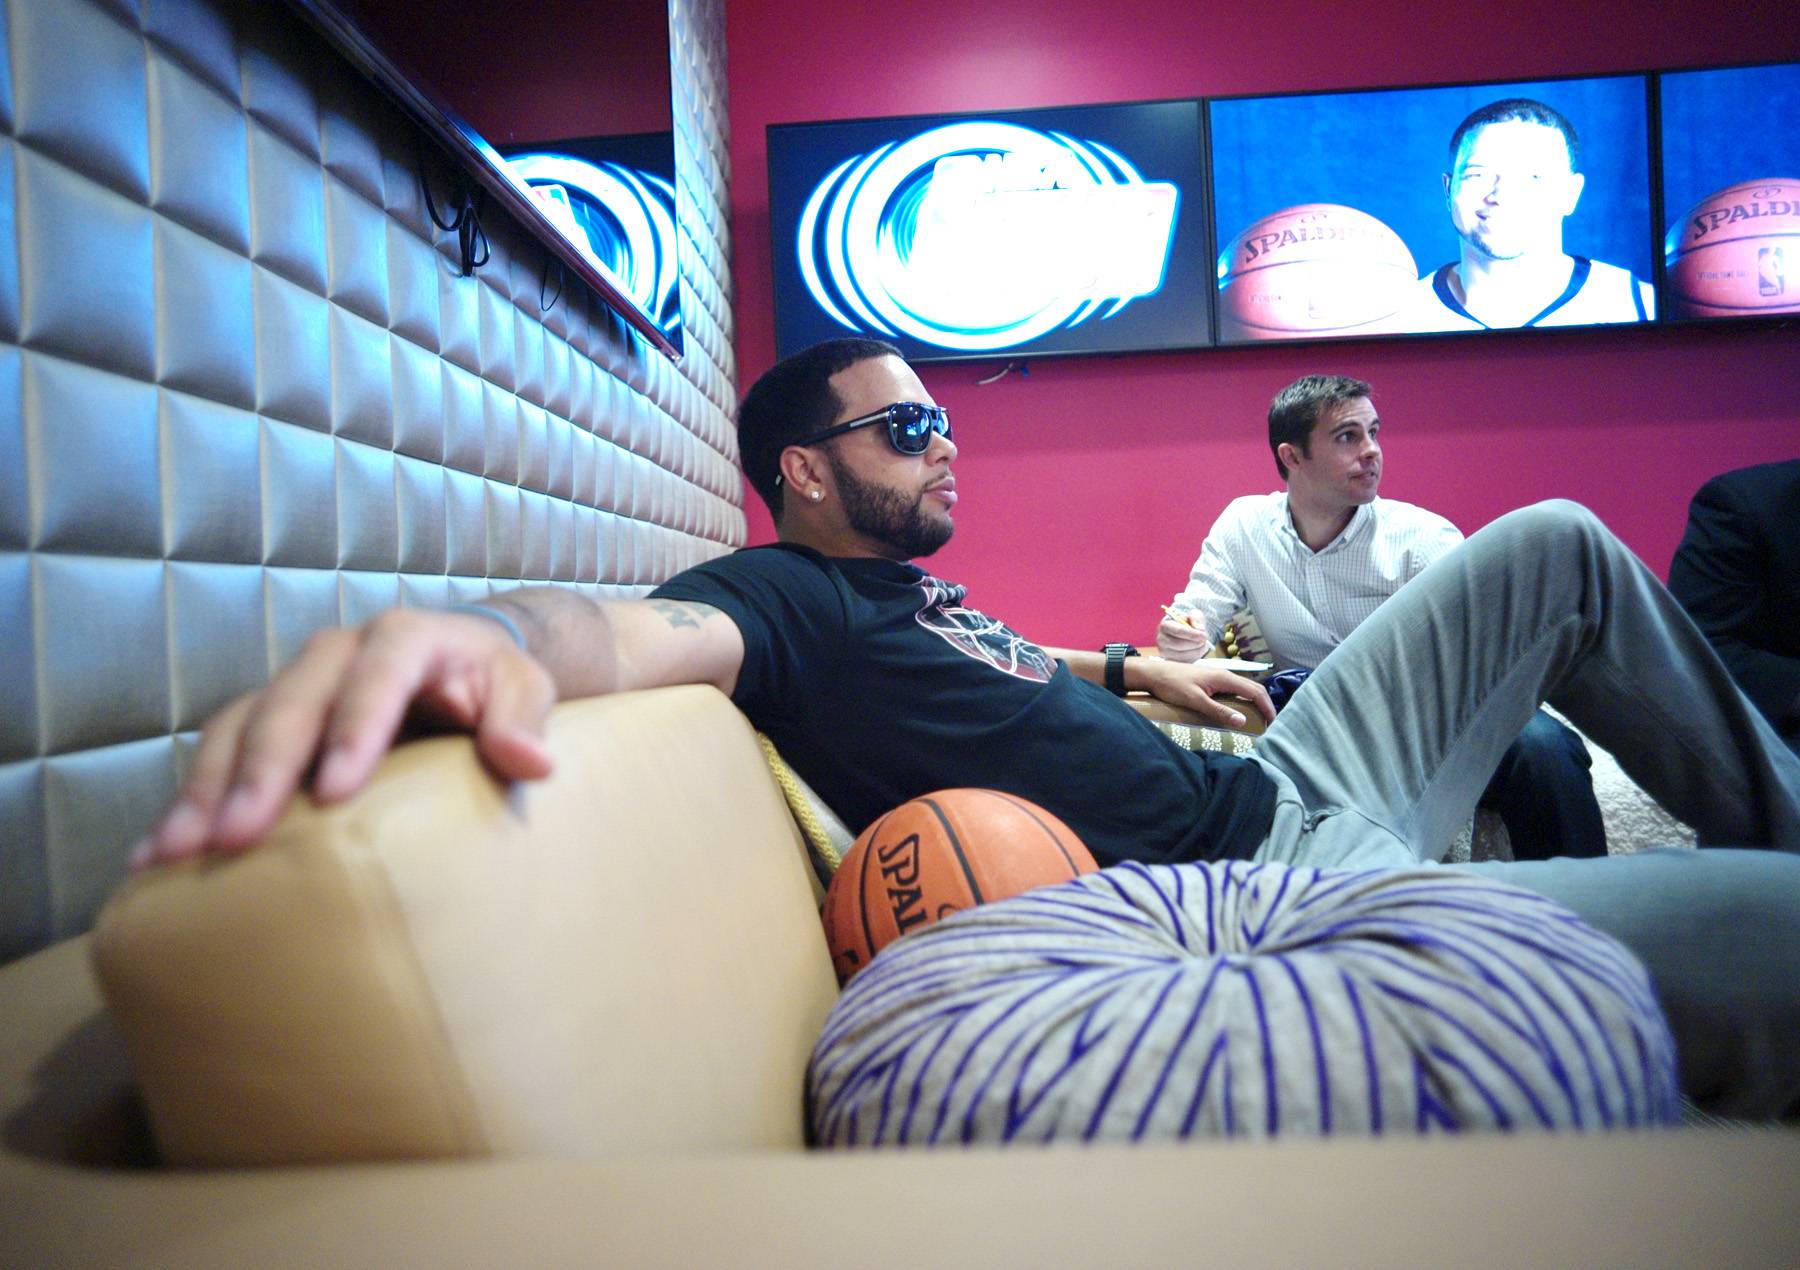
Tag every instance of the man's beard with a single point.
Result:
(886, 516)
(1489, 251)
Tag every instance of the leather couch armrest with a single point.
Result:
(446, 966)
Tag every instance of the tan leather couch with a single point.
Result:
(568, 1023)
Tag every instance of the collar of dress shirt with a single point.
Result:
(1360, 520)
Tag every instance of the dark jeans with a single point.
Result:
(1544, 794)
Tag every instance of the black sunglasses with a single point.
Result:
(909, 426)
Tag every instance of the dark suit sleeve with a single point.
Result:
(1723, 575)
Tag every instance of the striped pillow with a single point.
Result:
(1235, 999)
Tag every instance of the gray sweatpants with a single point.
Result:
(1382, 756)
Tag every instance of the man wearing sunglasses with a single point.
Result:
(878, 684)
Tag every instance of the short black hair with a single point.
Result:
(1297, 407)
(1522, 108)
(794, 399)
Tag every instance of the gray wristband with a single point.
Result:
(481, 610)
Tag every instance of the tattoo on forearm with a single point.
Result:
(677, 615)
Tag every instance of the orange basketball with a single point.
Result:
(939, 854)
(1737, 252)
(1312, 270)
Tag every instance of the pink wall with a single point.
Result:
(1087, 487)
(537, 70)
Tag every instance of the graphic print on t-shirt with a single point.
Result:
(977, 635)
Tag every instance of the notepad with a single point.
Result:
(1238, 666)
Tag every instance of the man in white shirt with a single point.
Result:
(1313, 561)
(1515, 176)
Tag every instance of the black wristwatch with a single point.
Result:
(1115, 667)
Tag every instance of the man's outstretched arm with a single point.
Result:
(1193, 685)
(336, 709)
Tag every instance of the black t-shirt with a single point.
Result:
(877, 685)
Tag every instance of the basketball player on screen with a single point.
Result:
(1515, 176)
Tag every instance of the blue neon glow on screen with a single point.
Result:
(1725, 128)
(1385, 153)
(1068, 230)
(614, 199)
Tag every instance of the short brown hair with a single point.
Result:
(1297, 408)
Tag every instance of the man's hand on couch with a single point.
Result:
(337, 709)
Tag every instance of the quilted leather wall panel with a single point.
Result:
(244, 394)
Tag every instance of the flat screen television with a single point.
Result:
(1731, 192)
(1422, 210)
(998, 235)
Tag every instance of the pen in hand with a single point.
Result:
(1186, 619)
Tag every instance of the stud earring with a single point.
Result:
(817, 495)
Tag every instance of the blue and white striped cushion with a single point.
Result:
(1156, 1002)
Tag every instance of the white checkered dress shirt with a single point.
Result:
(1305, 601)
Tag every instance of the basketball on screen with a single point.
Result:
(1736, 253)
(1313, 270)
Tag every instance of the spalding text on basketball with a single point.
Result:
(1704, 225)
(900, 866)
(1262, 244)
